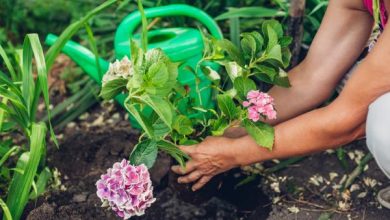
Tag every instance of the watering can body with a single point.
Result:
(182, 44)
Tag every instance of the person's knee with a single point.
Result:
(378, 131)
(378, 122)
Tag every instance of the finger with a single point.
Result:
(189, 150)
(190, 177)
(190, 166)
(201, 183)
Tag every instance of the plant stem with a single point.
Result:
(357, 171)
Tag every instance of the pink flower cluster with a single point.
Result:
(126, 189)
(259, 104)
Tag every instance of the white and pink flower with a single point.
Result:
(127, 189)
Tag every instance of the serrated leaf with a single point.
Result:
(144, 152)
(234, 53)
(183, 125)
(219, 127)
(269, 71)
(157, 74)
(243, 86)
(141, 119)
(112, 88)
(173, 151)
(261, 132)
(159, 105)
(227, 106)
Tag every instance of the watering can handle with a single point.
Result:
(132, 21)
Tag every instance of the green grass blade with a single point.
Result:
(94, 49)
(41, 183)
(7, 214)
(144, 22)
(8, 154)
(42, 83)
(28, 86)
(70, 31)
(21, 184)
(2, 114)
(8, 63)
(249, 12)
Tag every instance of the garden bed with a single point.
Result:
(88, 148)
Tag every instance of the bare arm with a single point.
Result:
(338, 43)
(338, 123)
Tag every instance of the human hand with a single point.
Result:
(209, 158)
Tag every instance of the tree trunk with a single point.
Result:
(295, 29)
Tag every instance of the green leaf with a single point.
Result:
(248, 44)
(285, 41)
(173, 151)
(211, 74)
(21, 184)
(43, 178)
(42, 84)
(286, 57)
(227, 106)
(183, 125)
(219, 126)
(269, 71)
(8, 64)
(6, 212)
(159, 105)
(144, 152)
(112, 88)
(157, 74)
(249, 12)
(272, 37)
(231, 49)
(233, 70)
(8, 154)
(161, 130)
(275, 53)
(243, 86)
(274, 25)
(141, 119)
(261, 132)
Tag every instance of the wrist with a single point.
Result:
(246, 151)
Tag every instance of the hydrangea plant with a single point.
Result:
(150, 81)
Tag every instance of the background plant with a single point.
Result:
(20, 95)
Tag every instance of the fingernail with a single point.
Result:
(193, 189)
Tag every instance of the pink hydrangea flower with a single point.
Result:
(259, 104)
(127, 189)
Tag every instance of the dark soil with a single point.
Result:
(88, 149)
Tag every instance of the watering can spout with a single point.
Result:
(83, 57)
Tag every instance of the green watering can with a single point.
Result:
(181, 44)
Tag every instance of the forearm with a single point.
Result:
(339, 123)
(312, 132)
